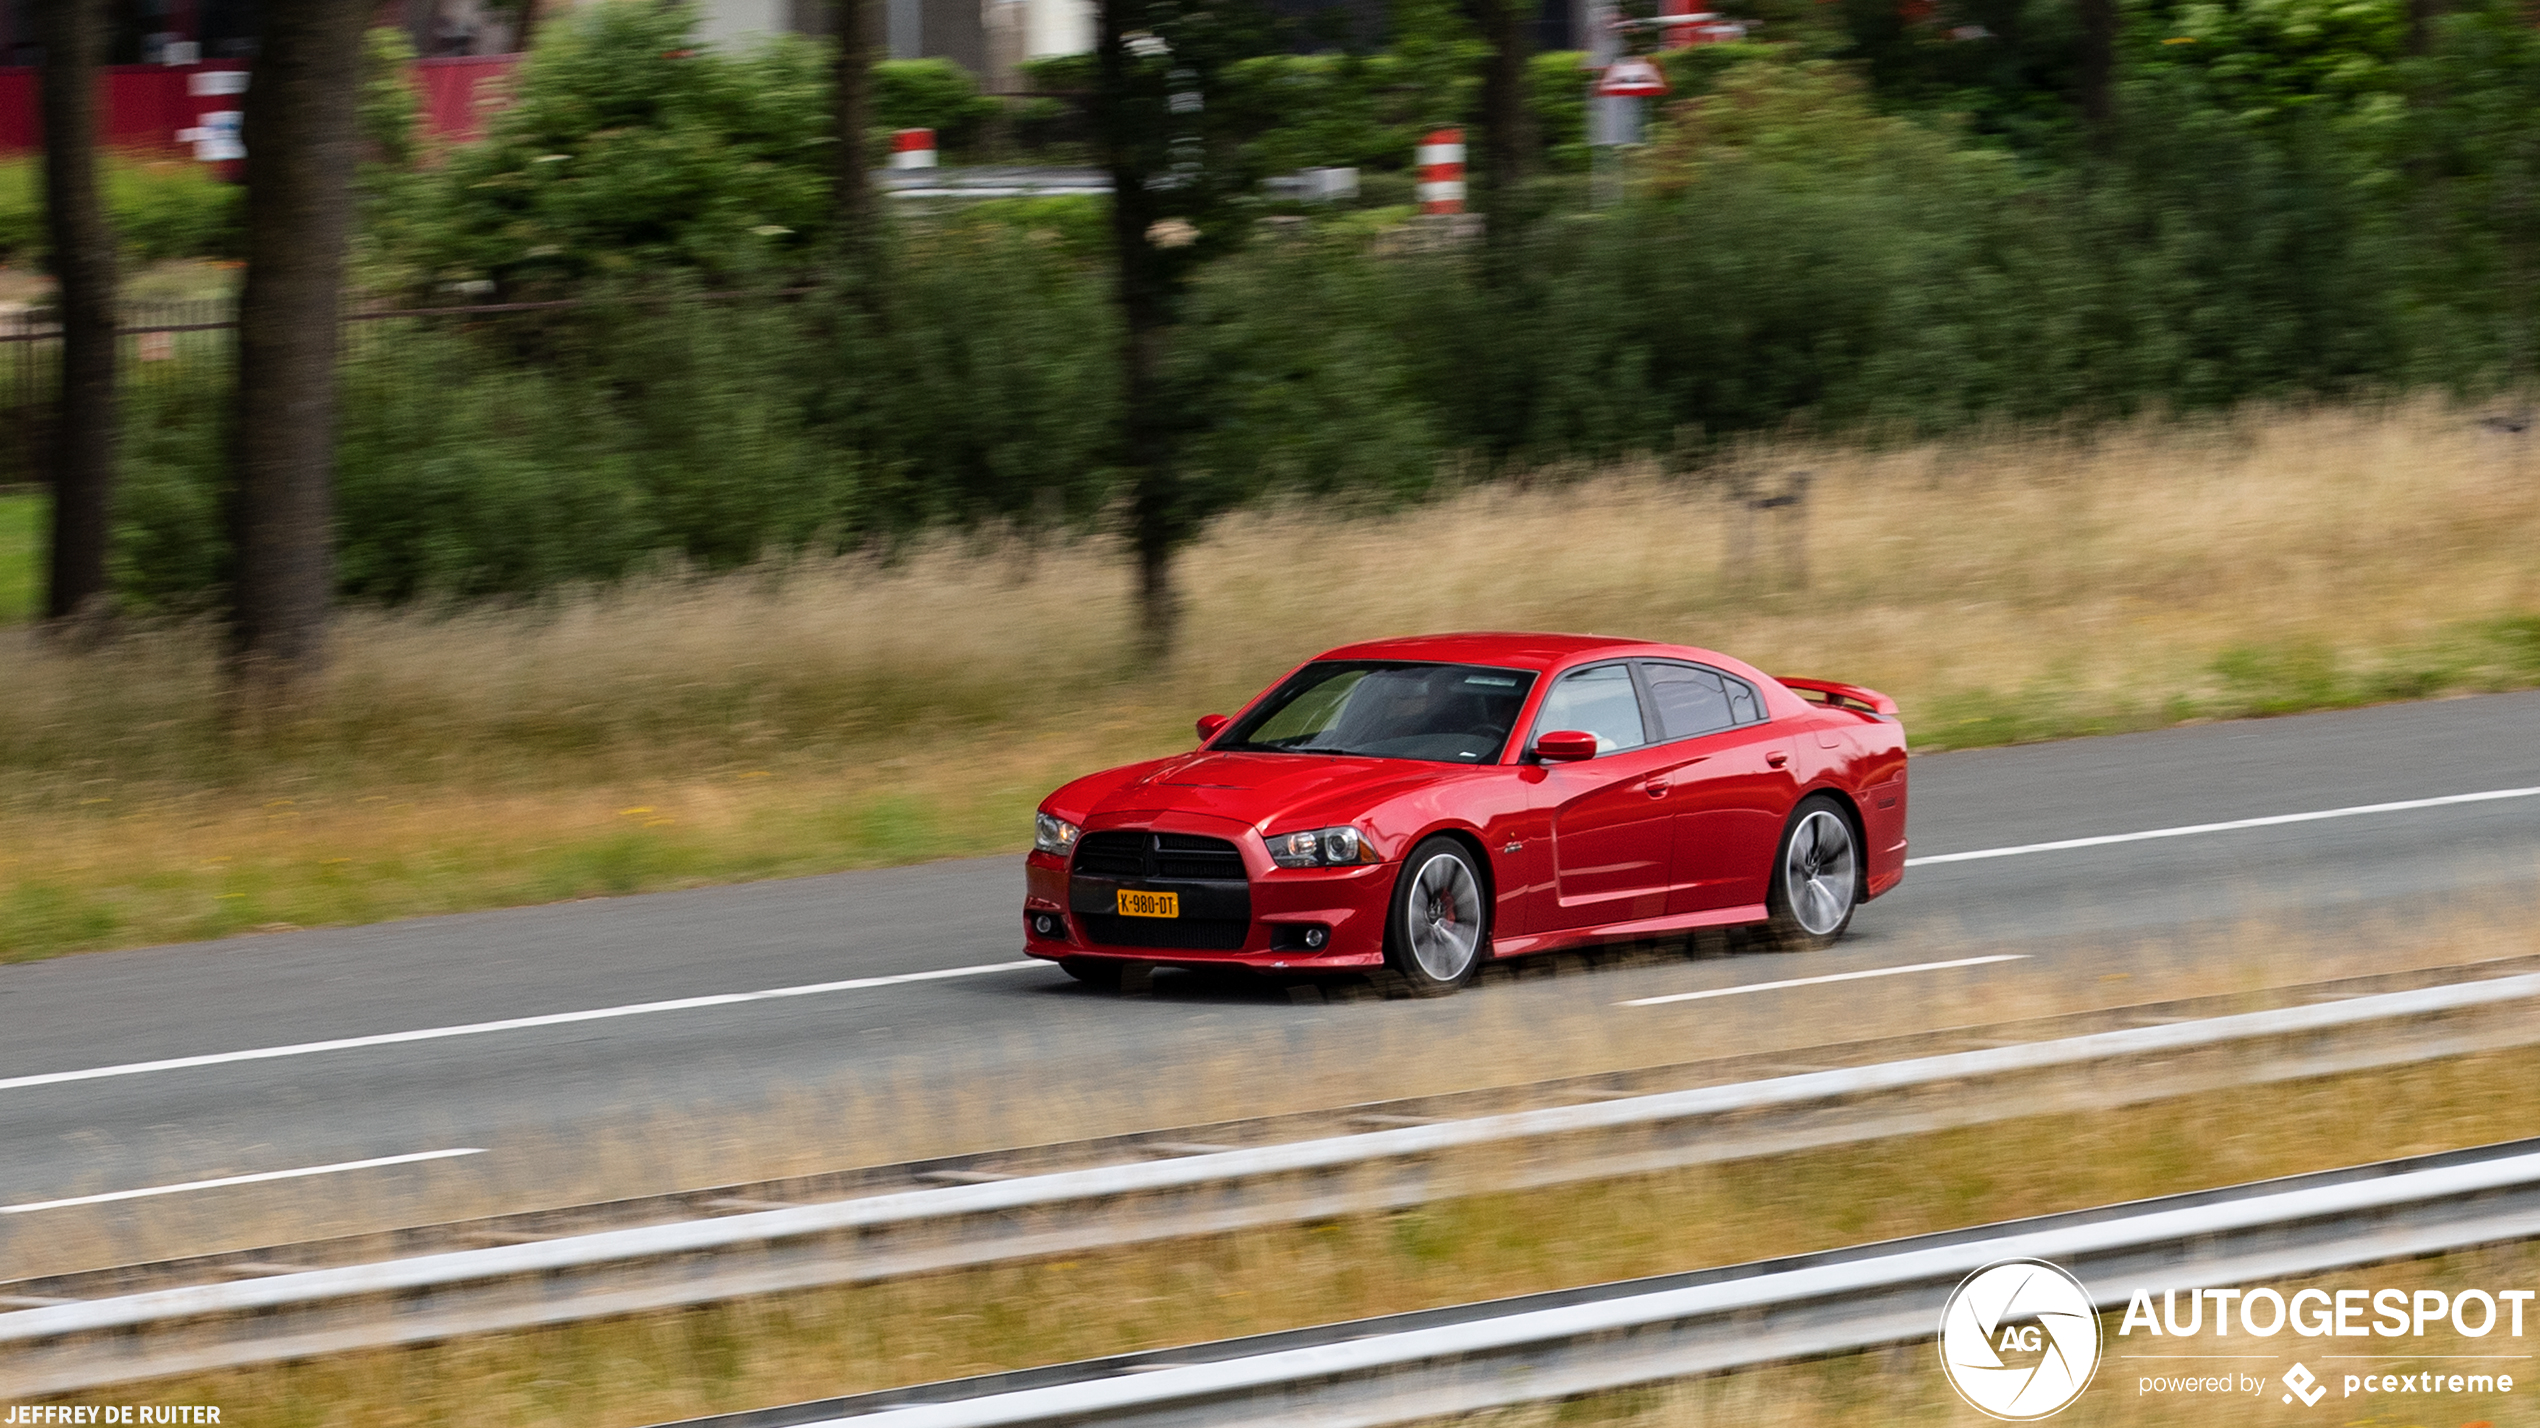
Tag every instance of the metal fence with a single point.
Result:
(158, 341)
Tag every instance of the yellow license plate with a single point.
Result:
(1150, 904)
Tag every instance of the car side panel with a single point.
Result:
(1493, 806)
(1730, 808)
(1863, 757)
(1613, 829)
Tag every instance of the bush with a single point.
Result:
(21, 210)
(931, 94)
(629, 151)
(161, 208)
(506, 454)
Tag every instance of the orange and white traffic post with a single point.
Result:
(1441, 162)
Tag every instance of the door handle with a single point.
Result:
(1657, 788)
(1777, 758)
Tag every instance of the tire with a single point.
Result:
(1816, 877)
(1437, 931)
(1093, 971)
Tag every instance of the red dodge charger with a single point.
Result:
(1413, 807)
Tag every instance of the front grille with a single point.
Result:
(1194, 934)
(1206, 873)
(1183, 855)
(1136, 853)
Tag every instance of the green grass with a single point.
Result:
(2247, 681)
(21, 568)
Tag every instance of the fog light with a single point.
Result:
(1044, 924)
(1315, 937)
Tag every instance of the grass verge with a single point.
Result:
(21, 568)
(675, 731)
(719, 1358)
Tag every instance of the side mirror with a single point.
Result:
(1563, 746)
(1209, 724)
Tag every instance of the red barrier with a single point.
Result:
(19, 131)
(146, 106)
(460, 92)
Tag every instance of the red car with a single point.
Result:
(1414, 807)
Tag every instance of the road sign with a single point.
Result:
(1632, 77)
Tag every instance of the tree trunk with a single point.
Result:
(1158, 523)
(2422, 15)
(851, 181)
(2099, 72)
(1508, 138)
(73, 33)
(301, 141)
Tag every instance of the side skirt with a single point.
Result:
(1629, 931)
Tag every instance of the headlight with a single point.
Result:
(1053, 835)
(1322, 848)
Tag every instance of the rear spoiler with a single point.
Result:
(1842, 696)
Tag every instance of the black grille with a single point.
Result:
(1183, 855)
(1194, 934)
(1207, 874)
(1135, 853)
(1113, 855)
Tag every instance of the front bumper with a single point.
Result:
(1261, 922)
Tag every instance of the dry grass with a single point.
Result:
(678, 731)
(663, 1366)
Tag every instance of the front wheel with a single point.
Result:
(1093, 971)
(1816, 878)
(1439, 926)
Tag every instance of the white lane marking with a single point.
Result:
(435, 1033)
(1740, 991)
(257, 1179)
(2270, 821)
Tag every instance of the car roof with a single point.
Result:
(1512, 649)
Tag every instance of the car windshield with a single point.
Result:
(1444, 713)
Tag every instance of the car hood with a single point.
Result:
(1259, 789)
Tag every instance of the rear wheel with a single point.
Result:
(1438, 929)
(1816, 878)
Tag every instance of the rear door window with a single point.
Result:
(1691, 700)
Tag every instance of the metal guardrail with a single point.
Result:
(592, 1276)
(1470, 1358)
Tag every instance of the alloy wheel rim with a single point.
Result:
(1818, 873)
(1445, 917)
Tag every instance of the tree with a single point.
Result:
(83, 244)
(1178, 162)
(2099, 71)
(1508, 138)
(302, 142)
(851, 185)
(2477, 151)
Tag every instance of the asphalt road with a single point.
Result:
(643, 1100)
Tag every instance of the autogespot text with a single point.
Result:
(2468, 1322)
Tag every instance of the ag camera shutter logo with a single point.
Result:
(2019, 1340)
